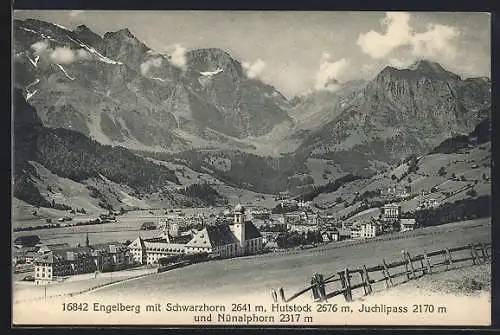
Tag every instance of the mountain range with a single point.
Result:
(201, 109)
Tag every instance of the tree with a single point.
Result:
(442, 171)
(393, 177)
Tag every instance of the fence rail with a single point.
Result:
(409, 267)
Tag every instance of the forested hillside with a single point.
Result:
(72, 155)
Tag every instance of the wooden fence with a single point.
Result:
(392, 273)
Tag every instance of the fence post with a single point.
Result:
(274, 295)
(343, 283)
(448, 254)
(484, 253)
(363, 281)
(387, 273)
(428, 263)
(473, 254)
(321, 287)
(406, 264)
(411, 264)
(282, 294)
(367, 280)
(348, 285)
(314, 289)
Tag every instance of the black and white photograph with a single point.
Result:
(251, 168)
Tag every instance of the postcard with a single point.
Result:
(251, 168)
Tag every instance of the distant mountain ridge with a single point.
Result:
(121, 92)
(204, 110)
(70, 154)
(400, 112)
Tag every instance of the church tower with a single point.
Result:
(239, 225)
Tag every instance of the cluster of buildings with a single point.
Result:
(397, 191)
(60, 260)
(223, 240)
(390, 221)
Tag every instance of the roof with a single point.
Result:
(408, 221)
(111, 247)
(344, 232)
(68, 254)
(251, 231)
(163, 246)
(137, 243)
(213, 236)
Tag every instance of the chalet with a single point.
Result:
(408, 224)
(330, 236)
(371, 228)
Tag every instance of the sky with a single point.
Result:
(298, 52)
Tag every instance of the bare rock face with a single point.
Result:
(118, 91)
(403, 111)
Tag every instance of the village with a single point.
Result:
(180, 240)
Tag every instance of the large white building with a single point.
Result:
(219, 240)
(370, 229)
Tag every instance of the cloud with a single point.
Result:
(40, 47)
(151, 62)
(254, 70)
(59, 55)
(178, 57)
(436, 40)
(83, 54)
(329, 73)
(62, 55)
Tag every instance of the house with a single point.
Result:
(25, 255)
(344, 233)
(408, 224)
(44, 248)
(61, 262)
(371, 228)
(111, 256)
(355, 232)
(391, 212)
(330, 236)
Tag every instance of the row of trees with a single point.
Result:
(294, 239)
(466, 209)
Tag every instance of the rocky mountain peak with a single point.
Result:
(86, 35)
(210, 59)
